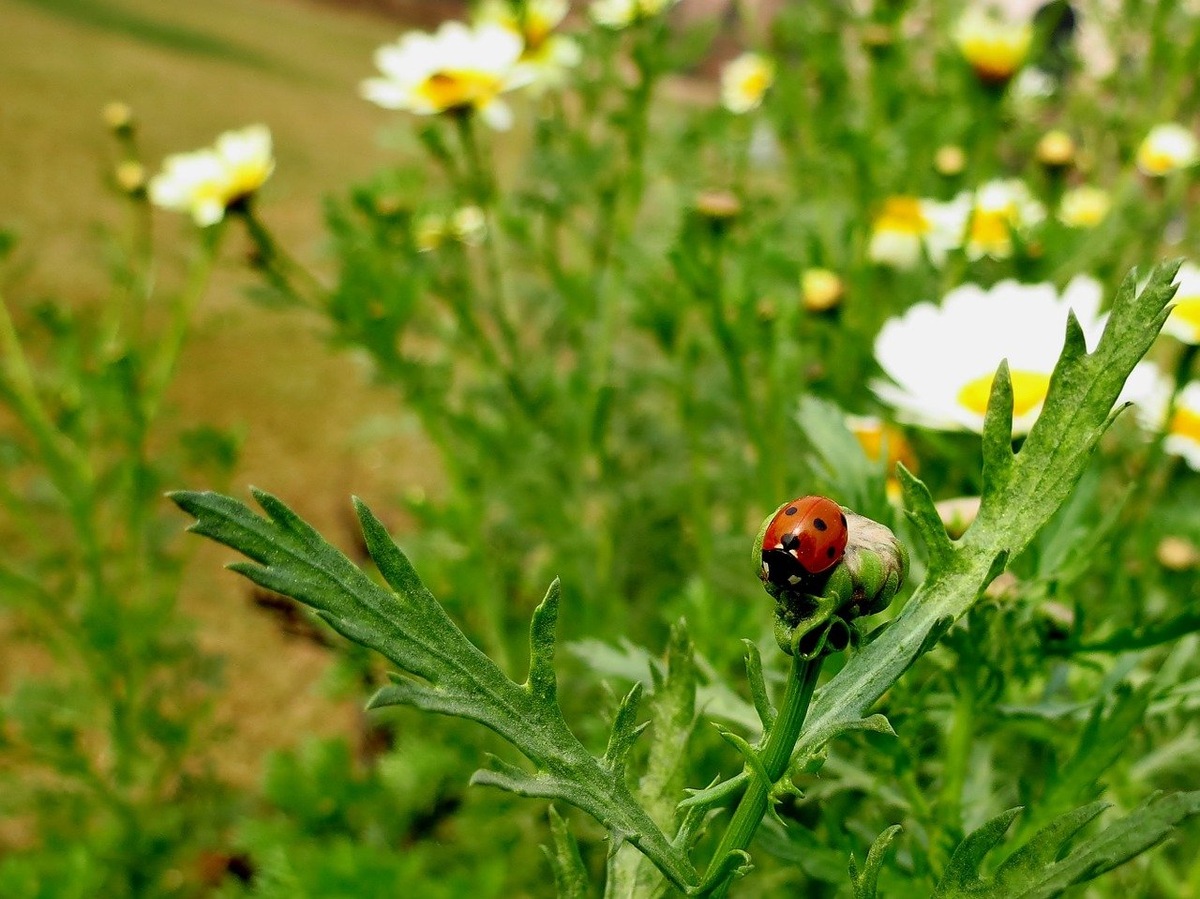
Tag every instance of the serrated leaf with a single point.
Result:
(866, 881)
(758, 686)
(1041, 869)
(1076, 412)
(997, 431)
(923, 514)
(446, 673)
(570, 875)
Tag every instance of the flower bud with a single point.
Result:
(821, 289)
(118, 117)
(816, 614)
(718, 205)
(1055, 150)
(950, 160)
(130, 176)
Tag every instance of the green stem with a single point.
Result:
(948, 814)
(775, 755)
(279, 267)
(482, 188)
(162, 366)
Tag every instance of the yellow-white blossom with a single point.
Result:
(623, 13)
(1167, 148)
(942, 358)
(469, 225)
(1150, 391)
(745, 81)
(205, 183)
(877, 437)
(1084, 207)
(1184, 321)
(1055, 149)
(546, 55)
(455, 69)
(994, 46)
(998, 209)
(905, 226)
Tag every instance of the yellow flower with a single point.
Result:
(994, 47)
(1184, 321)
(905, 226)
(876, 437)
(745, 81)
(821, 289)
(546, 56)
(205, 183)
(1084, 207)
(942, 358)
(1000, 208)
(455, 69)
(623, 13)
(1167, 148)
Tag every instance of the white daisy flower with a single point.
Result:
(1184, 321)
(623, 13)
(994, 46)
(745, 81)
(547, 56)
(1150, 391)
(454, 69)
(907, 226)
(1167, 148)
(998, 210)
(205, 183)
(942, 358)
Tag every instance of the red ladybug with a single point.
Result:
(806, 537)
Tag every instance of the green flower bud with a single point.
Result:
(816, 615)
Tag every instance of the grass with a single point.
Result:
(190, 71)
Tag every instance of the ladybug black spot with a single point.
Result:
(790, 510)
(843, 519)
(790, 541)
(831, 552)
(819, 524)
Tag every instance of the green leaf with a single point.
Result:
(672, 708)
(442, 671)
(1021, 498)
(866, 882)
(570, 876)
(1042, 869)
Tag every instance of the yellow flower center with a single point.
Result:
(902, 214)
(755, 84)
(1187, 312)
(1028, 387)
(1186, 423)
(455, 89)
(990, 228)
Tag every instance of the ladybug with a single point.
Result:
(806, 537)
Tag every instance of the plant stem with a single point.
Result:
(775, 755)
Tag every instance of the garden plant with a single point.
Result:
(815, 410)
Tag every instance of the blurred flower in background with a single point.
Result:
(455, 69)
(547, 55)
(1167, 148)
(1000, 209)
(942, 358)
(821, 289)
(745, 81)
(995, 46)
(1150, 392)
(623, 13)
(1184, 321)
(882, 442)
(907, 226)
(1084, 207)
(205, 183)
